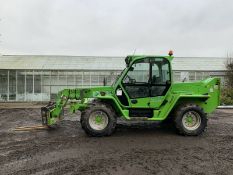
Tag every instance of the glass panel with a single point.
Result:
(29, 82)
(101, 80)
(12, 85)
(46, 78)
(137, 79)
(205, 75)
(198, 75)
(158, 90)
(79, 79)
(138, 91)
(160, 71)
(165, 73)
(192, 76)
(46, 93)
(71, 78)
(138, 73)
(176, 76)
(160, 79)
(54, 78)
(184, 76)
(20, 85)
(109, 79)
(37, 82)
(29, 86)
(62, 78)
(86, 79)
(94, 80)
(3, 85)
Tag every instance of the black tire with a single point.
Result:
(196, 111)
(105, 109)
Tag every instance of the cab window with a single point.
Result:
(136, 81)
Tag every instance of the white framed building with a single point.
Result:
(39, 78)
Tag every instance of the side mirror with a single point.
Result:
(127, 61)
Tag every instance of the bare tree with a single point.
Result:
(229, 74)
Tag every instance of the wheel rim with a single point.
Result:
(98, 120)
(191, 120)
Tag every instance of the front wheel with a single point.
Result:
(190, 120)
(99, 120)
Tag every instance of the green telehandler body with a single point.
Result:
(144, 91)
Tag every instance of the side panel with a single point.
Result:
(205, 94)
(165, 110)
(121, 111)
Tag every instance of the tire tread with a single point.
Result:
(181, 109)
(97, 105)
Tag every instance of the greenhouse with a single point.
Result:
(39, 78)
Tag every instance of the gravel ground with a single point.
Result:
(133, 149)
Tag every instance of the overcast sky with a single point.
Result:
(116, 27)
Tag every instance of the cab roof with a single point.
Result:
(132, 58)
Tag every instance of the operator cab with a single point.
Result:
(147, 77)
(145, 83)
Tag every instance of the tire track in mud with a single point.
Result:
(152, 161)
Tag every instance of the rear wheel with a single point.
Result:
(99, 120)
(190, 120)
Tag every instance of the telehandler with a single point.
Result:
(144, 91)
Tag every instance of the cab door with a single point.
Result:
(136, 84)
(160, 81)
